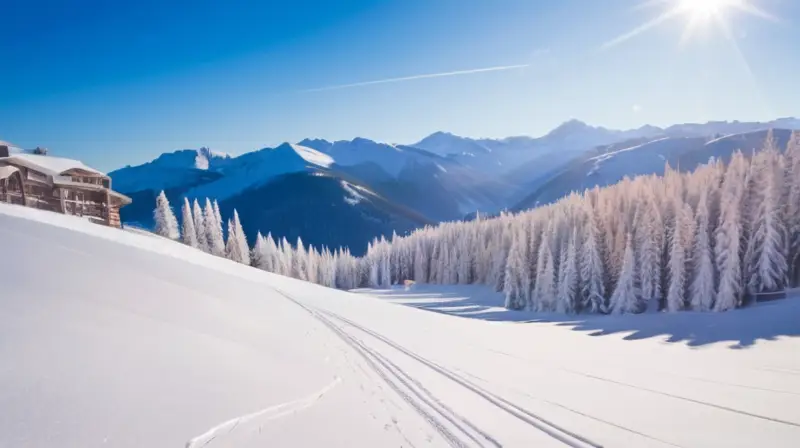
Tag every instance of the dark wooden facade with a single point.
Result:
(59, 185)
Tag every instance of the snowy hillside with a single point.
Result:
(259, 167)
(139, 341)
(180, 168)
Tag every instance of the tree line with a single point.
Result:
(703, 241)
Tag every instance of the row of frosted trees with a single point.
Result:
(201, 228)
(702, 241)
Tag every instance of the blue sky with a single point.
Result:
(116, 83)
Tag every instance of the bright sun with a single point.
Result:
(705, 9)
(698, 13)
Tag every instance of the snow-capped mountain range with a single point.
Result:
(442, 177)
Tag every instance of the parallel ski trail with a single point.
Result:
(692, 400)
(553, 430)
(434, 402)
(387, 376)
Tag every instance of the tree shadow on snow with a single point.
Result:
(743, 327)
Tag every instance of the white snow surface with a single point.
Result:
(258, 168)
(53, 166)
(113, 338)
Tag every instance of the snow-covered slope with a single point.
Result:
(390, 158)
(138, 341)
(187, 167)
(259, 167)
(445, 144)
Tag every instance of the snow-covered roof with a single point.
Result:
(6, 171)
(52, 166)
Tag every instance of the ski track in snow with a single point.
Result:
(408, 388)
(270, 413)
(691, 400)
(553, 430)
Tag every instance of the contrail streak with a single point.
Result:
(415, 77)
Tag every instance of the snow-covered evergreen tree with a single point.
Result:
(241, 240)
(678, 249)
(188, 231)
(728, 236)
(649, 235)
(702, 291)
(512, 288)
(216, 241)
(258, 255)
(232, 249)
(625, 298)
(166, 223)
(200, 227)
(217, 214)
(568, 287)
(767, 267)
(792, 187)
(385, 266)
(592, 269)
(285, 259)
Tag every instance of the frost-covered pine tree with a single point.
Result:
(232, 249)
(166, 223)
(385, 279)
(545, 290)
(258, 255)
(217, 214)
(311, 265)
(216, 241)
(513, 277)
(372, 264)
(625, 298)
(701, 291)
(792, 186)
(241, 240)
(568, 288)
(649, 235)
(421, 261)
(767, 267)
(188, 231)
(299, 261)
(270, 254)
(285, 260)
(728, 236)
(591, 265)
(499, 258)
(678, 249)
(200, 227)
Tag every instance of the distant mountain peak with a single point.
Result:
(570, 126)
(363, 141)
(312, 141)
(444, 143)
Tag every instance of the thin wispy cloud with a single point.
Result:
(417, 77)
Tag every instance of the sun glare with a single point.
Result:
(705, 9)
(697, 14)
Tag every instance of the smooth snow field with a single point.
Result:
(110, 338)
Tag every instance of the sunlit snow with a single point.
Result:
(115, 338)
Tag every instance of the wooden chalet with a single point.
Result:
(34, 179)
